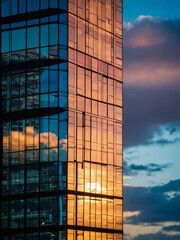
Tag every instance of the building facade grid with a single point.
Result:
(61, 119)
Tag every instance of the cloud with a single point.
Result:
(128, 214)
(167, 134)
(148, 231)
(63, 144)
(127, 177)
(134, 169)
(152, 203)
(151, 78)
(173, 185)
(145, 17)
(156, 236)
(152, 167)
(150, 36)
(28, 139)
(172, 228)
(155, 30)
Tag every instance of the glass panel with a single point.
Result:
(5, 8)
(32, 178)
(44, 35)
(32, 214)
(17, 179)
(53, 81)
(14, 7)
(48, 211)
(18, 39)
(54, 4)
(4, 215)
(22, 6)
(5, 41)
(63, 4)
(53, 34)
(32, 5)
(17, 214)
(33, 37)
(44, 4)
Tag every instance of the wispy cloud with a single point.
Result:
(128, 214)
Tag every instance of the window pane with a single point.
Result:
(32, 212)
(33, 5)
(33, 37)
(54, 4)
(44, 35)
(44, 4)
(44, 81)
(48, 211)
(18, 39)
(5, 8)
(53, 81)
(22, 6)
(14, 7)
(53, 34)
(5, 41)
(63, 4)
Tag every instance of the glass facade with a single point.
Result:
(61, 119)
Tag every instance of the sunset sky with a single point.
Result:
(151, 119)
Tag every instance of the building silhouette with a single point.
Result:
(61, 119)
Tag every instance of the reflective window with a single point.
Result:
(33, 37)
(5, 41)
(53, 34)
(18, 39)
(32, 5)
(48, 211)
(62, 106)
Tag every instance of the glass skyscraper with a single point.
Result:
(61, 119)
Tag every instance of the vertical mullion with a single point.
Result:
(58, 184)
(39, 163)
(67, 115)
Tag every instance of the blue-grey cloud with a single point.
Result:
(134, 169)
(172, 228)
(162, 141)
(157, 236)
(152, 167)
(153, 204)
(151, 79)
(173, 185)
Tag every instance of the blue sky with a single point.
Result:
(151, 119)
(155, 8)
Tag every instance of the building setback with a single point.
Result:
(61, 119)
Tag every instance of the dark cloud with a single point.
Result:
(172, 228)
(172, 129)
(153, 204)
(157, 236)
(162, 141)
(173, 185)
(133, 169)
(151, 79)
(149, 168)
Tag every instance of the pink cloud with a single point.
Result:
(29, 139)
(152, 75)
(151, 53)
(150, 36)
